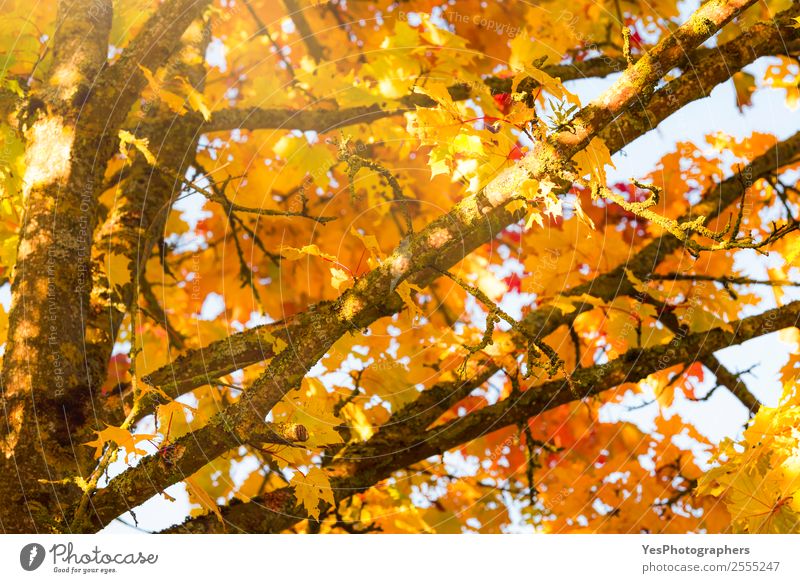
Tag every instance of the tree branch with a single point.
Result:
(122, 82)
(43, 380)
(315, 49)
(134, 226)
(775, 37)
(733, 383)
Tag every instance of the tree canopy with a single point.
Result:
(359, 267)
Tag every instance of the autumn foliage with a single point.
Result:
(367, 267)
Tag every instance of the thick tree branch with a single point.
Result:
(136, 224)
(42, 376)
(700, 76)
(257, 118)
(671, 52)
(80, 47)
(122, 82)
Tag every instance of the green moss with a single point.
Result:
(704, 27)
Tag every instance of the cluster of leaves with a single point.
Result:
(270, 231)
(758, 478)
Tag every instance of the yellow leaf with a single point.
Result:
(174, 101)
(516, 205)
(314, 410)
(404, 291)
(700, 319)
(593, 160)
(302, 159)
(196, 99)
(567, 303)
(534, 216)
(203, 499)
(311, 489)
(140, 144)
(122, 438)
(582, 216)
(293, 254)
(167, 411)
(357, 420)
(3, 324)
(550, 84)
(118, 270)
(370, 242)
(467, 144)
(745, 85)
(338, 277)
(637, 283)
(391, 381)
(563, 304)
(792, 250)
(438, 92)
(776, 273)
(291, 457)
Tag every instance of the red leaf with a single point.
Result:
(696, 370)
(513, 282)
(516, 153)
(503, 102)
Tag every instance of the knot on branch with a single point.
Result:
(280, 433)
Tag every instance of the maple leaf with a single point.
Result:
(312, 489)
(293, 254)
(141, 144)
(199, 495)
(339, 277)
(513, 282)
(593, 161)
(3, 323)
(118, 270)
(121, 438)
(405, 290)
(174, 101)
(195, 99)
(314, 411)
(745, 85)
(567, 303)
(358, 421)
